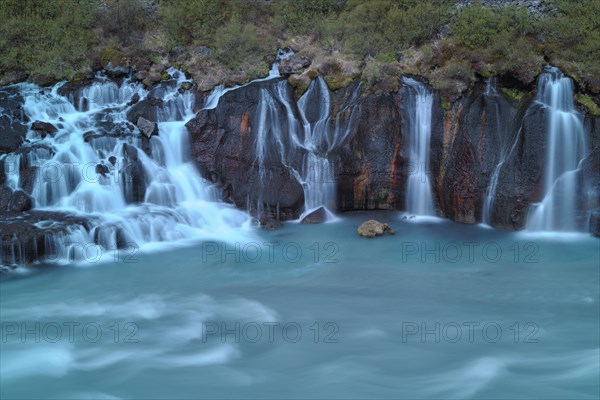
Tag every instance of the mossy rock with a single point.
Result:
(112, 55)
(372, 228)
(339, 81)
(588, 104)
(513, 94)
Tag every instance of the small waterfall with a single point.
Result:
(491, 95)
(491, 87)
(565, 148)
(212, 101)
(419, 198)
(310, 132)
(131, 189)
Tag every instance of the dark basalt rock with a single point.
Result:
(147, 128)
(595, 222)
(223, 146)
(20, 201)
(5, 196)
(134, 178)
(23, 235)
(44, 128)
(372, 168)
(318, 216)
(147, 109)
(520, 181)
(134, 99)
(13, 120)
(466, 148)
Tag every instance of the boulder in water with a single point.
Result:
(372, 228)
(20, 201)
(44, 128)
(318, 216)
(101, 169)
(294, 64)
(148, 128)
(134, 99)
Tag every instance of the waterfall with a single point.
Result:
(212, 101)
(419, 198)
(310, 132)
(491, 95)
(132, 189)
(565, 148)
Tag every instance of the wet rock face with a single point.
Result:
(26, 237)
(467, 144)
(371, 173)
(147, 128)
(13, 120)
(44, 128)
(520, 181)
(20, 201)
(224, 147)
(134, 178)
(5, 197)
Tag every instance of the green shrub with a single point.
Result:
(237, 43)
(46, 39)
(186, 21)
(588, 103)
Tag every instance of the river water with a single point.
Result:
(439, 310)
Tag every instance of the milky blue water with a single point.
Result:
(501, 315)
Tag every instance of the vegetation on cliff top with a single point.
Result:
(234, 40)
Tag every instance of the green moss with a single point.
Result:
(339, 80)
(446, 105)
(513, 94)
(110, 54)
(589, 104)
(165, 76)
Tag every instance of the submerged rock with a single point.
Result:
(318, 216)
(372, 228)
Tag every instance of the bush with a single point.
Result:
(47, 39)
(303, 16)
(476, 26)
(237, 43)
(186, 21)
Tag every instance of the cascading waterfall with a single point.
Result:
(419, 198)
(310, 132)
(566, 147)
(97, 168)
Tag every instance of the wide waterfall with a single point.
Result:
(565, 148)
(135, 191)
(419, 198)
(306, 128)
